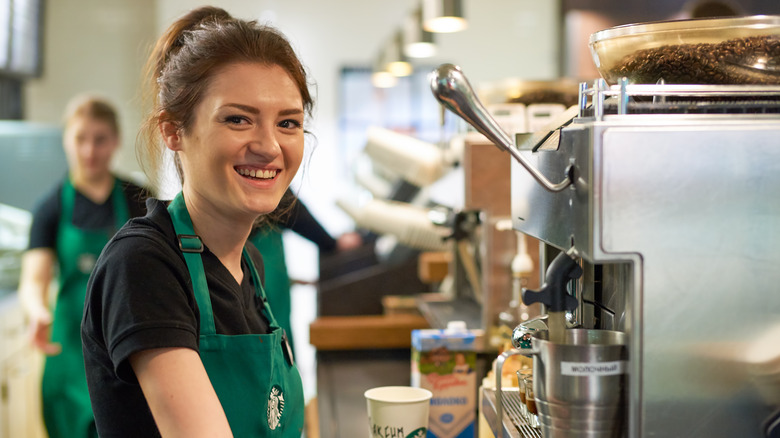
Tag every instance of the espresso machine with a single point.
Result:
(667, 198)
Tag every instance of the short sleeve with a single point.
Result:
(139, 298)
(45, 221)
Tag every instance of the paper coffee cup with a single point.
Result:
(397, 412)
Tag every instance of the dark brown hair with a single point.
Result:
(185, 59)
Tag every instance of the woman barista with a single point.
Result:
(71, 224)
(178, 338)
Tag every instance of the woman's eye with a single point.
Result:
(236, 120)
(290, 123)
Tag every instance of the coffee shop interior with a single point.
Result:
(508, 220)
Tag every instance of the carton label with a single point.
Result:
(451, 377)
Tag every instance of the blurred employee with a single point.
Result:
(177, 334)
(268, 239)
(70, 226)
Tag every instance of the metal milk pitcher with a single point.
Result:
(579, 385)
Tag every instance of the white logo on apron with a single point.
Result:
(86, 262)
(275, 407)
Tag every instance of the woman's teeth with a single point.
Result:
(262, 174)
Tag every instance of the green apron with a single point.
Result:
(67, 411)
(253, 375)
(277, 281)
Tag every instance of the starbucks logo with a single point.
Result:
(275, 407)
(86, 262)
(419, 433)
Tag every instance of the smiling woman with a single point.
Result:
(178, 337)
(250, 120)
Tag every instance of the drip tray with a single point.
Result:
(513, 423)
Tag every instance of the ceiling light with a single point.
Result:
(418, 42)
(397, 63)
(380, 77)
(443, 16)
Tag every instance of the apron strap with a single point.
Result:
(119, 202)
(191, 247)
(260, 290)
(67, 199)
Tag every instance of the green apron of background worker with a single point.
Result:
(269, 242)
(67, 411)
(254, 375)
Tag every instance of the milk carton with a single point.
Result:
(444, 362)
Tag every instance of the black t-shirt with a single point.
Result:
(140, 297)
(87, 215)
(300, 220)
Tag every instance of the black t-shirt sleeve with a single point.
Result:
(301, 221)
(45, 220)
(140, 289)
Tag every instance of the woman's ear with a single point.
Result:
(170, 135)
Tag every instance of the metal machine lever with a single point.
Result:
(452, 89)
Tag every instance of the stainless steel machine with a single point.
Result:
(668, 196)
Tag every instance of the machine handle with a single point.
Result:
(553, 292)
(452, 89)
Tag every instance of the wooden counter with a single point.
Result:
(364, 332)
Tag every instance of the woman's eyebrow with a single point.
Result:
(291, 112)
(253, 110)
(247, 108)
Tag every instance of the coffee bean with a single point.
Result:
(728, 62)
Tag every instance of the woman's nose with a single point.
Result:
(265, 142)
(88, 149)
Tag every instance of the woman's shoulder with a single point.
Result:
(45, 218)
(48, 204)
(144, 235)
(143, 251)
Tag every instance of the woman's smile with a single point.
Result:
(257, 174)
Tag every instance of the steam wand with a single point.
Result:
(451, 88)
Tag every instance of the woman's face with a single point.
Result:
(89, 145)
(245, 143)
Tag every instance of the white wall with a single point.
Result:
(100, 45)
